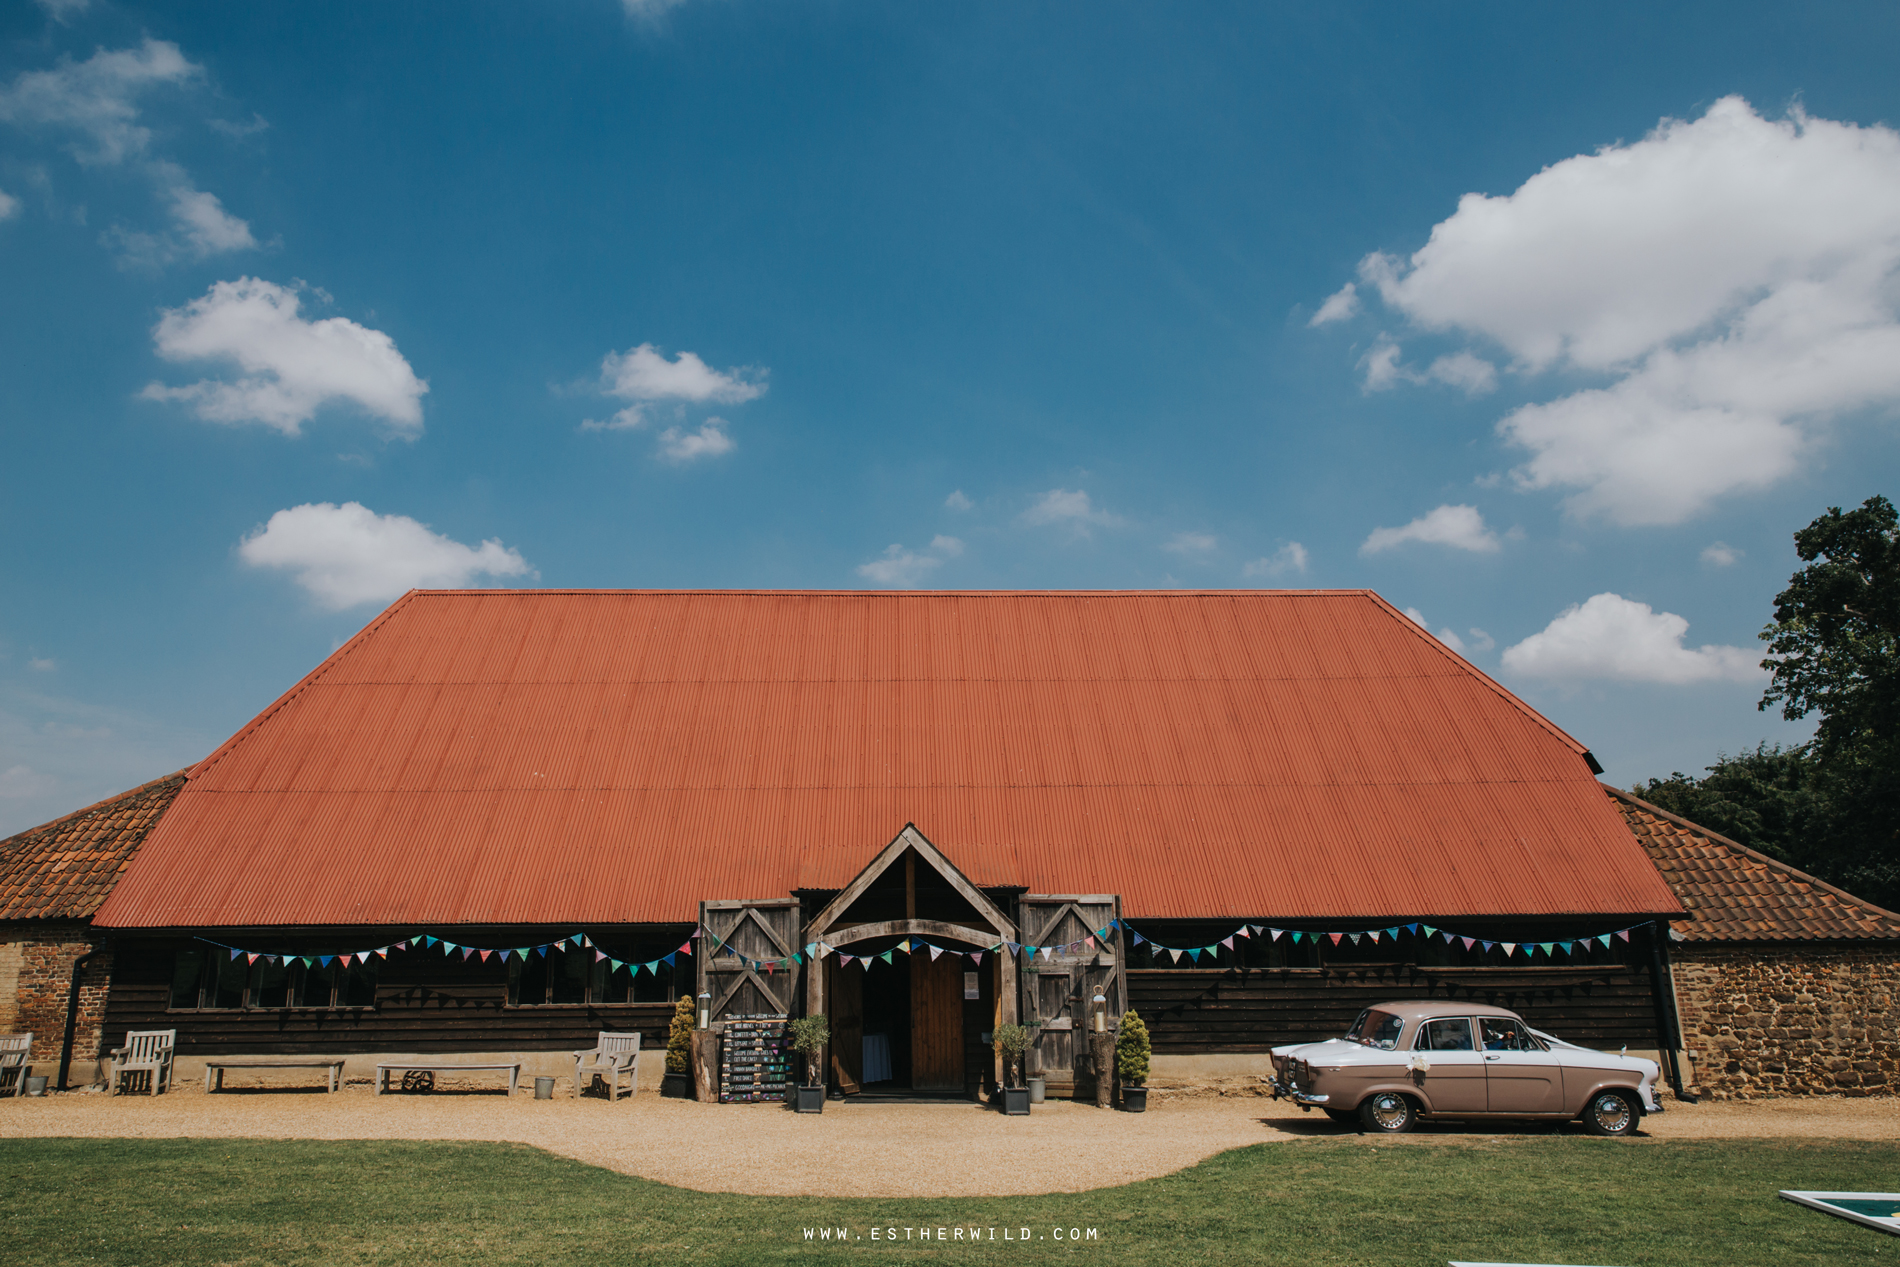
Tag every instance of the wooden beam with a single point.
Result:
(909, 838)
(851, 934)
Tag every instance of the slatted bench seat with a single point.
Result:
(423, 1066)
(219, 1066)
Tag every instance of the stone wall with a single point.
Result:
(36, 961)
(1789, 1019)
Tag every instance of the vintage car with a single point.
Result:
(1401, 1062)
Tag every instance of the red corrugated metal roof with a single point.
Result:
(498, 756)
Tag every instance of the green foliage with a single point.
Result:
(808, 1035)
(1132, 1050)
(679, 1037)
(1329, 1201)
(1830, 807)
(1012, 1041)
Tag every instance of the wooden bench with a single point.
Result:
(15, 1051)
(219, 1066)
(421, 1066)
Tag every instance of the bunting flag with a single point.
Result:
(1227, 942)
(886, 956)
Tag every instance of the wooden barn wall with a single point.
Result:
(424, 1003)
(1277, 995)
(1235, 1009)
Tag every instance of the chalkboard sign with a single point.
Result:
(755, 1064)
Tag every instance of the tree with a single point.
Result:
(1831, 806)
(1834, 650)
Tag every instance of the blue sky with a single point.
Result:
(306, 304)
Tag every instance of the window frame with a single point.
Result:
(212, 968)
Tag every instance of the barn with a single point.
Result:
(497, 822)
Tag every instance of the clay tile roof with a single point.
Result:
(1733, 893)
(66, 868)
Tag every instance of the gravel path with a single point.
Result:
(852, 1149)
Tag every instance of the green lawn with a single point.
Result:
(1346, 1201)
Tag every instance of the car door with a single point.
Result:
(1454, 1082)
(1521, 1076)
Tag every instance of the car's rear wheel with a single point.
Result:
(1388, 1113)
(1611, 1113)
(1343, 1116)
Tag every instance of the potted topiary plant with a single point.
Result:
(1132, 1050)
(809, 1034)
(1011, 1042)
(678, 1082)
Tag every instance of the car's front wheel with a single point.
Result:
(1388, 1113)
(1610, 1113)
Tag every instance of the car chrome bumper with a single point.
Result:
(1296, 1095)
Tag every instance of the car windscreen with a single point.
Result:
(1376, 1029)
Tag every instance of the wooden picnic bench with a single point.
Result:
(16, 1050)
(421, 1066)
(219, 1066)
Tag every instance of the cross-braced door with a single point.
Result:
(739, 963)
(1059, 988)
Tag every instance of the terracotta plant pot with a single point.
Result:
(1134, 1099)
(811, 1100)
(1016, 1101)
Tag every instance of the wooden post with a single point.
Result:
(1103, 1047)
(705, 1066)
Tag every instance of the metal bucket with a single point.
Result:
(1036, 1089)
(36, 1085)
(544, 1088)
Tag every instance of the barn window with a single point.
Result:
(209, 979)
(576, 978)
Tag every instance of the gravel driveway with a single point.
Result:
(856, 1149)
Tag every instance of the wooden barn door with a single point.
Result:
(936, 1022)
(749, 931)
(1059, 988)
(844, 997)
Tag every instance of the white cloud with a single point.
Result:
(898, 567)
(1340, 305)
(1445, 636)
(1720, 554)
(1609, 636)
(1460, 527)
(1067, 506)
(649, 10)
(346, 555)
(1471, 374)
(1480, 640)
(9, 205)
(290, 367)
(901, 568)
(95, 97)
(63, 11)
(1190, 543)
(42, 664)
(1290, 557)
(23, 781)
(709, 441)
(1733, 278)
(957, 501)
(644, 375)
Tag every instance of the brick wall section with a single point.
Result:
(1790, 1019)
(45, 954)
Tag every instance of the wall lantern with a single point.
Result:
(1101, 1014)
(705, 1010)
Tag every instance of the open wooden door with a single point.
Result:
(936, 1022)
(1059, 988)
(844, 995)
(747, 933)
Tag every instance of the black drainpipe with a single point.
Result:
(72, 1016)
(1664, 995)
